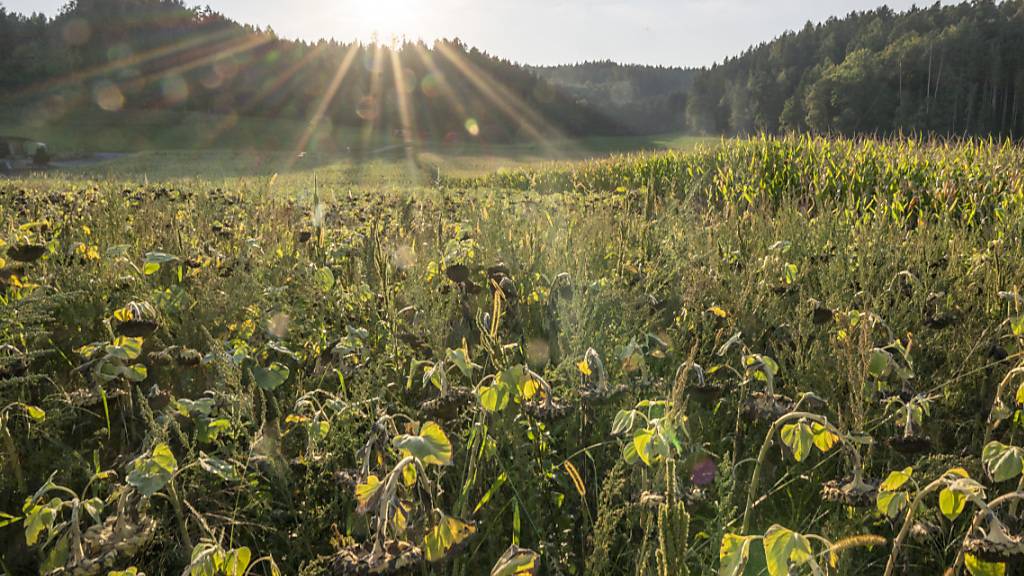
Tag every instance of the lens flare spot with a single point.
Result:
(538, 353)
(175, 89)
(368, 108)
(212, 78)
(431, 86)
(119, 51)
(108, 96)
(472, 127)
(76, 32)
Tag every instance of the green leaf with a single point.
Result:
(366, 491)
(36, 413)
(237, 561)
(151, 473)
(733, 554)
(325, 279)
(517, 561)
(134, 373)
(623, 422)
(153, 261)
(431, 446)
(448, 533)
(629, 453)
(8, 519)
(799, 438)
(823, 438)
(494, 398)
(495, 486)
(1017, 325)
(460, 358)
(978, 567)
(951, 503)
(892, 503)
(783, 546)
(218, 467)
(93, 507)
(1001, 461)
(126, 347)
(39, 518)
(879, 362)
(641, 441)
(896, 479)
(270, 378)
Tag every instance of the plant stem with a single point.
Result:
(179, 516)
(12, 456)
(763, 454)
(907, 522)
(1015, 497)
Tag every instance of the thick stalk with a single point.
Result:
(179, 516)
(1014, 497)
(908, 522)
(762, 455)
(990, 424)
(12, 457)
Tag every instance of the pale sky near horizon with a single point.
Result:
(541, 32)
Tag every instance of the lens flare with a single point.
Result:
(108, 96)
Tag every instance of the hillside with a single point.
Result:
(649, 99)
(943, 69)
(116, 55)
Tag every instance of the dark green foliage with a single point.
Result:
(950, 70)
(159, 54)
(646, 99)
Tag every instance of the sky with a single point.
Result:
(541, 32)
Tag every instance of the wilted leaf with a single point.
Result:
(218, 467)
(272, 377)
(896, 479)
(733, 554)
(517, 561)
(366, 491)
(448, 533)
(151, 473)
(978, 567)
(431, 446)
(1001, 461)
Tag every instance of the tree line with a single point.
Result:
(949, 70)
(648, 99)
(162, 54)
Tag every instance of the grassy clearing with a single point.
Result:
(624, 366)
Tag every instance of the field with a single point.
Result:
(764, 356)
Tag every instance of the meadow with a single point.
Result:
(795, 355)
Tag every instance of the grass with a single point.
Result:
(176, 144)
(548, 319)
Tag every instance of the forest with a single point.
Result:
(946, 70)
(160, 54)
(870, 72)
(648, 99)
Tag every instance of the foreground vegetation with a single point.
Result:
(772, 355)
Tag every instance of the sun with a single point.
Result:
(388, 19)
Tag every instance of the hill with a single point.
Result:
(942, 69)
(117, 55)
(648, 99)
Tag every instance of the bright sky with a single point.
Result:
(668, 32)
